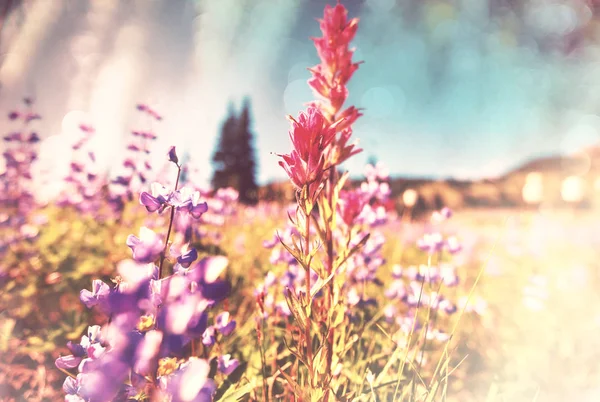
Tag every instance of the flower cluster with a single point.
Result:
(311, 136)
(184, 200)
(137, 164)
(320, 135)
(148, 347)
(424, 287)
(434, 242)
(84, 181)
(17, 200)
(19, 155)
(331, 76)
(221, 204)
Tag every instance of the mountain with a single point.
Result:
(554, 177)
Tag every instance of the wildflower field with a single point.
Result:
(147, 287)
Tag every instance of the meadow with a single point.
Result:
(147, 287)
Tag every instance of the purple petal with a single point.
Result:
(88, 298)
(76, 349)
(68, 362)
(188, 257)
(197, 210)
(227, 365)
(151, 203)
(70, 386)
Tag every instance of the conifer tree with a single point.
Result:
(234, 157)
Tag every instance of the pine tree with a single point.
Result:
(234, 159)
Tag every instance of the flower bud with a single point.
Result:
(173, 156)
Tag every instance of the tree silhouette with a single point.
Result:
(234, 159)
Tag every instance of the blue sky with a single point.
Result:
(447, 91)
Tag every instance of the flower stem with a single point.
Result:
(308, 298)
(164, 252)
(329, 305)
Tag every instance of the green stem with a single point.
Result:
(308, 297)
(171, 218)
(330, 289)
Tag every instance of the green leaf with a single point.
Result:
(237, 394)
(296, 308)
(298, 391)
(324, 283)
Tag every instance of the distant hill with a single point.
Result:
(502, 192)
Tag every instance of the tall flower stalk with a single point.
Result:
(320, 139)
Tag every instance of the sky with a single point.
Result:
(464, 89)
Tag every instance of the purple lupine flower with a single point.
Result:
(135, 274)
(431, 242)
(208, 337)
(71, 388)
(147, 247)
(185, 254)
(147, 352)
(397, 290)
(389, 312)
(224, 324)
(448, 275)
(32, 116)
(88, 348)
(446, 212)
(190, 382)
(283, 308)
(138, 385)
(397, 271)
(151, 203)
(149, 135)
(122, 180)
(183, 306)
(188, 257)
(188, 200)
(452, 245)
(227, 365)
(33, 138)
(86, 128)
(76, 167)
(128, 163)
(205, 274)
(100, 291)
(16, 136)
(156, 200)
(69, 361)
(104, 378)
(352, 297)
(447, 306)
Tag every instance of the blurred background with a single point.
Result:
(463, 89)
